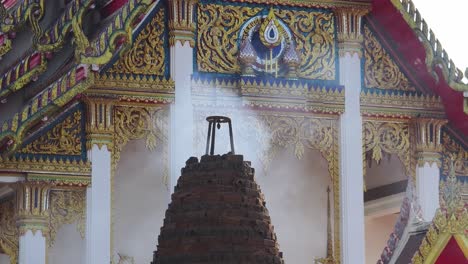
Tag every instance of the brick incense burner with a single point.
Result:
(217, 216)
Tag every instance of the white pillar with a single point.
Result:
(182, 125)
(98, 211)
(427, 189)
(428, 148)
(32, 211)
(351, 176)
(32, 248)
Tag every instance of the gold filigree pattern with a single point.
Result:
(63, 139)
(8, 231)
(147, 55)
(451, 220)
(151, 124)
(453, 150)
(217, 33)
(380, 69)
(219, 29)
(66, 207)
(314, 33)
(388, 137)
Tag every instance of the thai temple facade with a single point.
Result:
(352, 114)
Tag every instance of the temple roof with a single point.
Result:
(59, 58)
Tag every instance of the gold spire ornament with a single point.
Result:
(270, 35)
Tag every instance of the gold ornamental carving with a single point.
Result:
(380, 70)
(9, 234)
(349, 24)
(451, 220)
(453, 151)
(147, 55)
(32, 206)
(428, 138)
(67, 207)
(151, 124)
(381, 137)
(219, 27)
(182, 21)
(99, 122)
(63, 139)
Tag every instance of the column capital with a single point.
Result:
(349, 24)
(182, 21)
(428, 140)
(32, 206)
(99, 122)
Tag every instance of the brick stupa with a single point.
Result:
(217, 216)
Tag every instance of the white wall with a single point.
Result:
(140, 202)
(68, 246)
(296, 197)
(4, 259)
(378, 231)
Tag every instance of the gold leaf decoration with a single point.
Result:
(219, 29)
(380, 70)
(63, 139)
(151, 124)
(147, 55)
(314, 33)
(453, 150)
(391, 138)
(66, 207)
(8, 232)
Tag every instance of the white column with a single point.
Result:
(351, 176)
(182, 110)
(428, 147)
(427, 189)
(32, 248)
(98, 212)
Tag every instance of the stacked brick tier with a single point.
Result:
(217, 216)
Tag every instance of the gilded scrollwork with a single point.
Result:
(453, 150)
(147, 55)
(66, 207)
(151, 124)
(380, 69)
(8, 231)
(63, 139)
(219, 28)
(314, 33)
(450, 221)
(388, 137)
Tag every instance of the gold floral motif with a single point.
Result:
(380, 70)
(453, 150)
(451, 220)
(63, 139)
(218, 32)
(66, 207)
(314, 34)
(151, 124)
(388, 137)
(218, 29)
(147, 54)
(8, 231)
